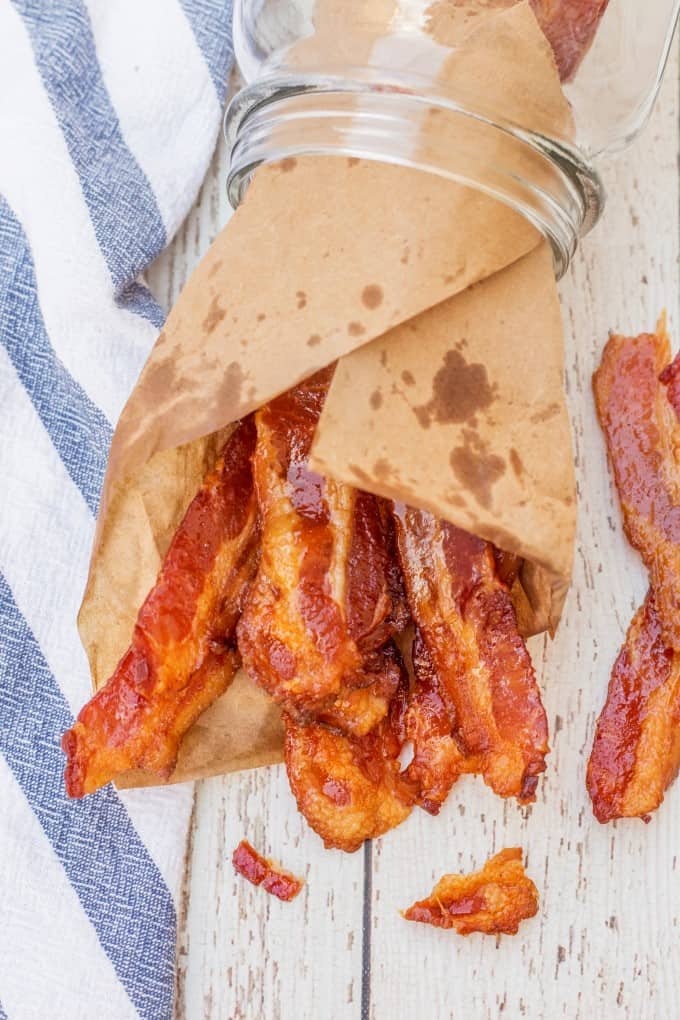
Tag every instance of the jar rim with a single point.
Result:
(286, 116)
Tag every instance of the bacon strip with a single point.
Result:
(636, 751)
(493, 901)
(293, 634)
(348, 788)
(570, 27)
(326, 593)
(642, 433)
(182, 655)
(466, 618)
(428, 724)
(263, 871)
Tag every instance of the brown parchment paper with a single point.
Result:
(461, 410)
(323, 256)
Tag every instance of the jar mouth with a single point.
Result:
(547, 181)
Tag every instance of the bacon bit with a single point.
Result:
(492, 901)
(263, 871)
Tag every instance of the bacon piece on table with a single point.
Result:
(570, 27)
(326, 594)
(183, 654)
(636, 752)
(263, 871)
(493, 901)
(467, 622)
(428, 724)
(643, 434)
(348, 788)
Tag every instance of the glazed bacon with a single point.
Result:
(183, 654)
(264, 872)
(465, 616)
(293, 634)
(636, 751)
(326, 593)
(428, 725)
(349, 789)
(493, 901)
(643, 434)
(570, 27)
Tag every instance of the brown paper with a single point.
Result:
(323, 256)
(462, 410)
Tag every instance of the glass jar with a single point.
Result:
(364, 77)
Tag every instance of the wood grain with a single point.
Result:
(605, 943)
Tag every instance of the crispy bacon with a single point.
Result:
(182, 655)
(428, 725)
(468, 625)
(570, 27)
(348, 788)
(493, 901)
(643, 434)
(293, 634)
(263, 871)
(360, 707)
(636, 752)
(326, 592)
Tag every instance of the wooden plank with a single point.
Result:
(605, 943)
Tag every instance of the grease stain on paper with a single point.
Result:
(356, 328)
(459, 390)
(476, 468)
(372, 296)
(214, 316)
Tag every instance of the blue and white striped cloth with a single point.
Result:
(109, 111)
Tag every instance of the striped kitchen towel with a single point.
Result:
(109, 112)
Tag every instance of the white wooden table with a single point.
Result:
(606, 941)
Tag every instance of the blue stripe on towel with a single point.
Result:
(122, 205)
(212, 30)
(78, 429)
(119, 886)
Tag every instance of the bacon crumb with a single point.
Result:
(493, 901)
(262, 871)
